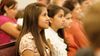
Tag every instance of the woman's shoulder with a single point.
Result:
(3, 17)
(27, 42)
(27, 36)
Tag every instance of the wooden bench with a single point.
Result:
(8, 49)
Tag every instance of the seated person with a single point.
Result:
(8, 26)
(91, 24)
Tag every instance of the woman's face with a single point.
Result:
(43, 19)
(68, 21)
(58, 20)
(59, 2)
(11, 11)
(77, 8)
(87, 3)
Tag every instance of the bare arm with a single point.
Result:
(28, 53)
(11, 29)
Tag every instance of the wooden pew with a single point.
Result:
(8, 49)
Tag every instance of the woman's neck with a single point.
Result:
(39, 29)
(54, 28)
(11, 17)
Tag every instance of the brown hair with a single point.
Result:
(30, 24)
(7, 3)
(70, 4)
(52, 11)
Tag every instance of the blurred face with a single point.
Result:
(77, 8)
(11, 11)
(86, 3)
(59, 2)
(43, 1)
(76, 12)
(68, 21)
(58, 20)
(43, 19)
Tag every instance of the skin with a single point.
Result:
(68, 20)
(44, 19)
(10, 12)
(59, 17)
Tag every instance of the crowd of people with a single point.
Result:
(52, 27)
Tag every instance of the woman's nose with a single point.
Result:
(48, 18)
(64, 19)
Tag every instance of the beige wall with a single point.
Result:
(23, 3)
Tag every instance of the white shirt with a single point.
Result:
(20, 21)
(59, 47)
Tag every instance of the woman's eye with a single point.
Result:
(60, 16)
(44, 14)
(67, 18)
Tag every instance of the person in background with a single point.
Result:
(58, 2)
(55, 32)
(91, 23)
(74, 35)
(84, 4)
(8, 26)
(68, 17)
(45, 2)
(32, 40)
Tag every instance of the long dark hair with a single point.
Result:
(52, 11)
(7, 3)
(30, 24)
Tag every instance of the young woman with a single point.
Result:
(91, 24)
(55, 33)
(74, 35)
(8, 26)
(68, 17)
(32, 41)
